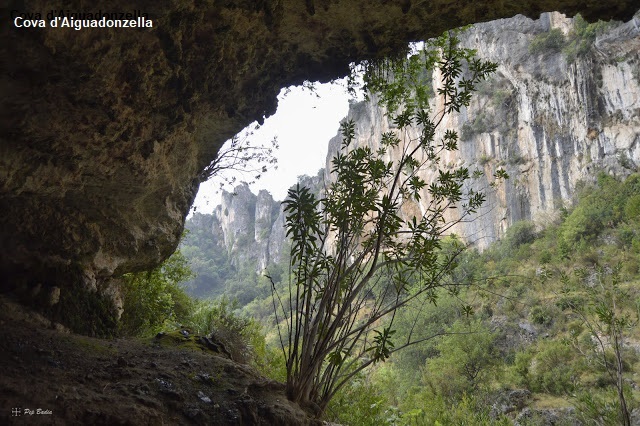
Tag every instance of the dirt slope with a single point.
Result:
(74, 379)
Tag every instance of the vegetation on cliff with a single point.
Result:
(538, 326)
(539, 340)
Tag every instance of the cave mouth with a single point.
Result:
(307, 117)
(99, 160)
(106, 132)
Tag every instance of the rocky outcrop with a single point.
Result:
(551, 118)
(251, 227)
(245, 222)
(267, 212)
(105, 133)
(175, 378)
(547, 417)
(237, 215)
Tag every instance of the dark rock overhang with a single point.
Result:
(105, 131)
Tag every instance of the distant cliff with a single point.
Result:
(246, 221)
(243, 235)
(252, 226)
(563, 105)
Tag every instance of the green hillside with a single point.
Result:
(525, 330)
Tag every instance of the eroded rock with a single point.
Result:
(105, 132)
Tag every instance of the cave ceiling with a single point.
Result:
(105, 132)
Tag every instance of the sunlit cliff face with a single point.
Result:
(105, 131)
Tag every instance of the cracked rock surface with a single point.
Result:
(105, 132)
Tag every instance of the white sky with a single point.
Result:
(303, 123)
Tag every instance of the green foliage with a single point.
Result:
(556, 364)
(422, 319)
(238, 334)
(523, 232)
(554, 370)
(603, 205)
(522, 368)
(576, 44)
(549, 367)
(353, 251)
(442, 412)
(241, 336)
(632, 208)
(484, 159)
(482, 123)
(245, 285)
(608, 316)
(598, 408)
(550, 41)
(466, 360)
(154, 299)
(543, 315)
(582, 36)
(545, 257)
(585, 222)
(502, 97)
(360, 403)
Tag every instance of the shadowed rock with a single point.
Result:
(105, 132)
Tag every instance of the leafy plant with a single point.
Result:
(354, 260)
(607, 319)
(153, 299)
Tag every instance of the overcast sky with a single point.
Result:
(303, 123)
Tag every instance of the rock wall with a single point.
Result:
(251, 227)
(550, 120)
(245, 222)
(105, 133)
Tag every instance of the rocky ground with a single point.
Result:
(50, 376)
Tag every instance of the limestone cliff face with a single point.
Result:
(105, 133)
(245, 222)
(251, 227)
(549, 119)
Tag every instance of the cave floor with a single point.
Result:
(51, 376)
